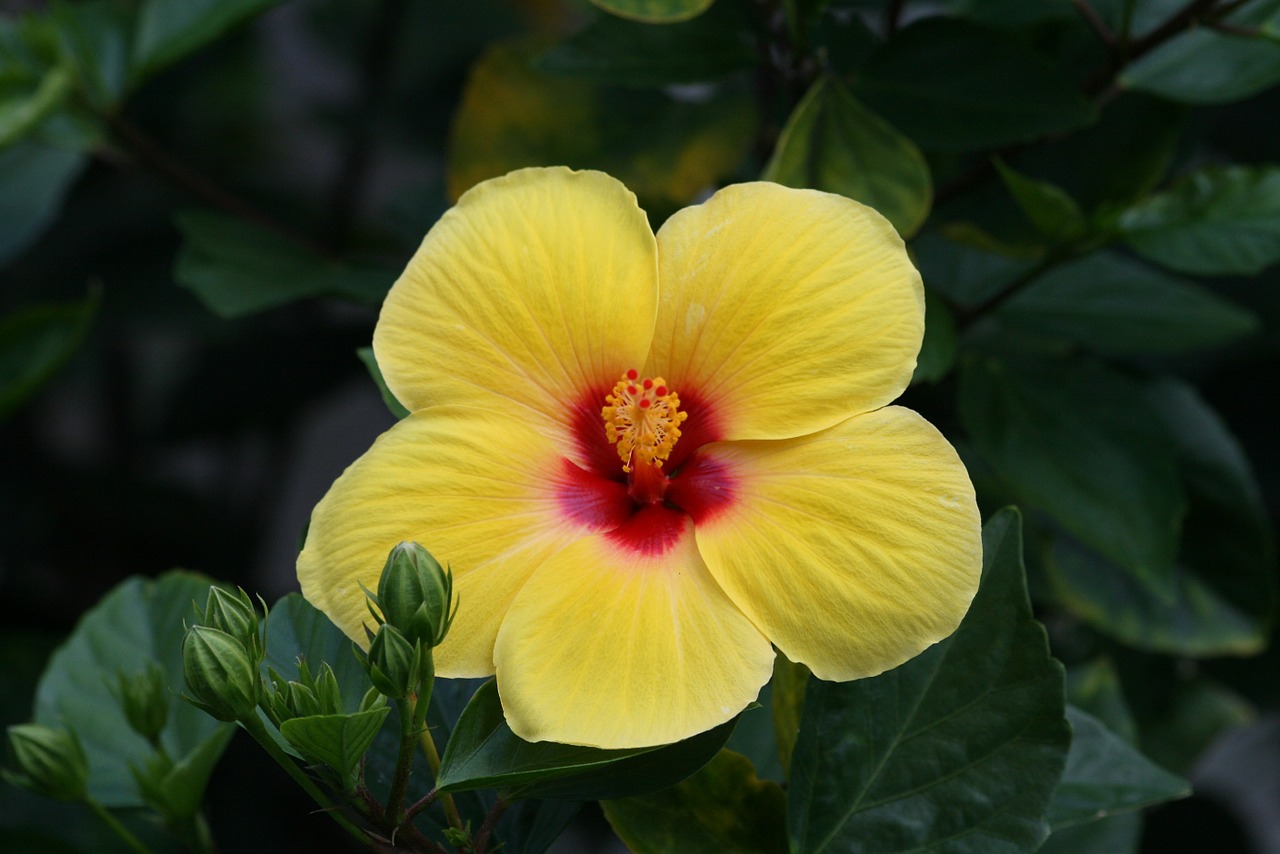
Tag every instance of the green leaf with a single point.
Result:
(615, 50)
(34, 178)
(1094, 687)
(957, 750)
(1194, 714)
(338, 741)
(237, 269)
(655, 11)
(1105, 776)
(138, 621)
(1011, 14)
(178, 793)
(1116, 307)
(1054, 214)
(1224, 594)
(483, 752)
(1121, 158)
(1222, 220)
(789, 683)
(394, 406)
(95, 38)
(755, 737)
(667, 149)
(833, 143)
(1206, 66)
(965, 274)
(296, 629)
(723, 807)
(1076, 440)
(35, 342)
(954, 86)
(168, 30)
(1116, 834)
(20, 115)
(938, 350)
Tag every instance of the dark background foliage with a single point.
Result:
(195, 239)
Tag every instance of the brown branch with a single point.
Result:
(1095, 20)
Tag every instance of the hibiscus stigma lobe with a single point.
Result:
(642, 417)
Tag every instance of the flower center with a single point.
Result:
(642, 417)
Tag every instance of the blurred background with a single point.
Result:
(204, 263)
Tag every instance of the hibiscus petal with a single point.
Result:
(535, 292)
(482, 493)
(609, 647)
(854, 548)
(784, 311)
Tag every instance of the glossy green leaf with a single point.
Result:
(655, 11)
(615, 50)
(484, 753)
(34, 178)
(1105, 776)
(1115, 834)
(1077, 441)
(168, 30)
(967, 275)
(1053, 213)
(1222, 220)
(664, 147)
(394, 406)
(338, 741)
(1012, 14)
(832, 142)
(137, 622)
(296, 629)
(755, 737)
(723, 807)
(1224, 595)
(938, 350)
(237, 269)
(957, 750)
(1113, 306)
(1206, 66)
(35, 342)
(954, 86)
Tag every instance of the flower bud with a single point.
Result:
(234, 614)
(144, 697)
(393, 663)
(222, 678)
(416, 595)
(48, 761)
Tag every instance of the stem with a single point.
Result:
(446, 799)
(404, 762)
(148, 152)
(490, 821)
(259, 732)
(126, 836)
(1094, 20)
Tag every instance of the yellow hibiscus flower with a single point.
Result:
(650, 460)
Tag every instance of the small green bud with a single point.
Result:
(222, 678)
(144, 697)
(416, 595)
(234, 614)
(393, 663)
(48, 761)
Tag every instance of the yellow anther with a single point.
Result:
(642, 417)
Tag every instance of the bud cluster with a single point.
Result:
(49, 761)
(413, 608)
(221, 654)
(310, 695)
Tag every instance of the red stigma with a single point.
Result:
(660, 391)
(648, 384)
(632, 374)
(631, 389)
(644, 404)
